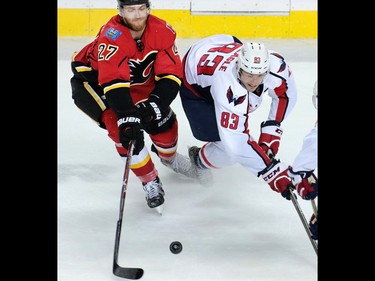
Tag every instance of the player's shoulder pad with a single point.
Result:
(111, 31)
(277, 62)
(162, 29)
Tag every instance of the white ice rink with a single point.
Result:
(237, 230)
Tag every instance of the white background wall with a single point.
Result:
(217, 5)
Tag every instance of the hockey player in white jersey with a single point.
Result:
(304, 165)
(225, 80)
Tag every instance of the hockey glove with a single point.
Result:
(276, 175)
(270, 135)
(313, 226)
(155, 118)
(130, 129)
(150, 110)
(305, 183)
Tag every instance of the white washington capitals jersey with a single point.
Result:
(210, 69)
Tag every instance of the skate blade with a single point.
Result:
(159, 209)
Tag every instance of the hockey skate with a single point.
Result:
(203, 174)
(154, 193)
(181, 165)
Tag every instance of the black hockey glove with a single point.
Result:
(155, 118)
(287, 194)
(150, 110)
(130, 129)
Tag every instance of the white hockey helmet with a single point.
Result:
(253, 58)
(315, 95)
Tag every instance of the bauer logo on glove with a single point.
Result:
(156, 110)
(129, 119)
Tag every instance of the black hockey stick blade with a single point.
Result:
(124, 272)
(127, 272)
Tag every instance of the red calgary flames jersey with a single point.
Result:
(121, 61)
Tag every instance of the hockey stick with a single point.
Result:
(124, 272)
(303, 219)
(315, 209)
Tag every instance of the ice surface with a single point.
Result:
(237, 230)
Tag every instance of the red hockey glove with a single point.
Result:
(130, 129)
(276, 175)
(306, 183)
(270, 135)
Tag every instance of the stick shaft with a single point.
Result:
(124, 272)
(303, 219)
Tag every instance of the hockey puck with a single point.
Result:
(175, 247)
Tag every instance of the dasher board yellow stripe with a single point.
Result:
(298, 24)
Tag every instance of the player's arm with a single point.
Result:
(81, 66)
(281, 88)
(168, 73)
(302, 170)
(114, 77)
(283, 91)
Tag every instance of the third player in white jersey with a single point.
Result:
(302, 171)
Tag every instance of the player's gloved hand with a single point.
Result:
(276, 175)
(313, 226)
(150, 109)
(305, 183)
(130, 129)
(287, 192)
(270, 135)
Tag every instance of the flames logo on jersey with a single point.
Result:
(232, 98)
(141, 70)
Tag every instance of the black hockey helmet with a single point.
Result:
(133, 2)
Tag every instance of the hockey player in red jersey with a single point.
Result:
(304, 165)
(224, 81)
(125, 80)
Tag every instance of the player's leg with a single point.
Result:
(141, 164)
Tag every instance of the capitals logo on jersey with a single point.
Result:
(232, 98)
